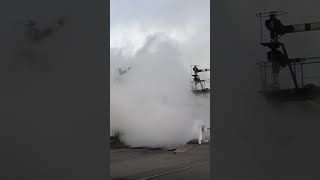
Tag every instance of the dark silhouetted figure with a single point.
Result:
(275, 26)
(278, 59)
(196, 70)
(196, 78)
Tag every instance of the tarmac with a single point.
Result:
(188, 162)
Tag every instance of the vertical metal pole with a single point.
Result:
(293, 77)
(265, 75)
(261, 77)
(302, 82)
(295, 69)
(261, 29)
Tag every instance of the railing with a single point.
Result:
(298, 66)
(200, 85)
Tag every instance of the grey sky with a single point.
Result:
(187, 21)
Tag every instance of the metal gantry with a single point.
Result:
(278, 58)
(199, 85)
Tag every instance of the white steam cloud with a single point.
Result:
(152, 103)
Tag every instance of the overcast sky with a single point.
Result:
(186, 21)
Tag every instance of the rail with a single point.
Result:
(298, 62)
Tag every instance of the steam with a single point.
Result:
(152, 103)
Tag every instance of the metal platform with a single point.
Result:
(278, 61)
(201, 91)
(304, 92)
(309, 92)
(199, 86)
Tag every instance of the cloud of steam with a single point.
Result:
(152, 104)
